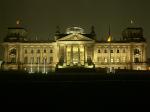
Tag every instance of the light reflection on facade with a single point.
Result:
(74, 48)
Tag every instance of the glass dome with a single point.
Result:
(75, 30)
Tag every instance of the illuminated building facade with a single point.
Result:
(74, 48)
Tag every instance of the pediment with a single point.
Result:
(75, 37)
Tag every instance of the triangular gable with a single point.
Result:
(75, 37)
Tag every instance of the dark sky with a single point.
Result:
(41, 17)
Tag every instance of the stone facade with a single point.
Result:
(74, 48)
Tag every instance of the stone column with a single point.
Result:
(66, 54)
(6, 53)
(84, 54)
(72, 54)
(78, 54)
(144, 53)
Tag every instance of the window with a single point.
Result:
(98, 59)
(38, 59)
(51, 60)
(13, 60)
(117, 51)
(138, 68)
(124, 59)
(45, 60)
(32, 59)
(118, 60)
(38, 51)
(44, 50)
(25, 60)
(124, 51)
(136, 51)
(25, 51)
(136, 60)
(111, 51)
(105, 51)
(32, 51)
(99, 51)
(112, 60)
(51, 51)
(13, 52)
(105, 60)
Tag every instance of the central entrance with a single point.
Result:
(75, 55)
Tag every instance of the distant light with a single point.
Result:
(1, 62)
(109, 39)
(18, 22)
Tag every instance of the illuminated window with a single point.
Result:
(112, 60)
(105, 60)
(99, 51)
(138, 68)
(118, 60)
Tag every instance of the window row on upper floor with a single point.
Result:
(111, 51)
(37, 51)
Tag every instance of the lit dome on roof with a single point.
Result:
(75, 30)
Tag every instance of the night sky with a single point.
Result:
(41, 17)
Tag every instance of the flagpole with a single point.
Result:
(109, 41)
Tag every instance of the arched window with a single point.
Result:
(13, 51)
(136, 51)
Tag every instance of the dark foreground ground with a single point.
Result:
(79, 87)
